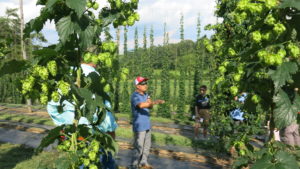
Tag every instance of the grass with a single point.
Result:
(12, 154)
(26, 119)
(158, 138)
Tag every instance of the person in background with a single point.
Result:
(202, 114)
(141, 105)
(108, 125)
(291, 132)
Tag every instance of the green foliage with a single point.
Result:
(256, 49)
(79, 31)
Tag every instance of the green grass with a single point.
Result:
(26, 119)
(158, 138)
(11, 154)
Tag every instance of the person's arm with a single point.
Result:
(149, 103)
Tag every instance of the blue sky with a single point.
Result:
(152, 12)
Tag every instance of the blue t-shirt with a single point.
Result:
(141, 117)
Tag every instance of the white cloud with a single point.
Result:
(152, 12)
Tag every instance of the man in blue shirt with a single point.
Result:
(140, 105)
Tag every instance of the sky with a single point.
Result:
(152, 13)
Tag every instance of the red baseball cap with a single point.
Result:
(139, 79)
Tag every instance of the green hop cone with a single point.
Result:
(118, 4)
(234, 90)
(52, 67)
(95, 6)
(231, 52)
(267, 36)
(86, 162)
(270, 20)
(95, 59)
(255, 99)
(92, 155)
(109, 47)
(106, 88)
(93, 166)
(130, 20)
(218, 44)
(36, 70)
(64, 87)
(256, 36)
(89, 5)
(237, 77)
(44, 74)
(209, 48)
(95, 148)
(271, 3)
(27, 84)
(219, 80)
(136, 16)
(222, 69)
(279, 28)
(55, 96)
(108, 62)
(44, 88)
(87, 58)
(281, 53)
(293, 50)
(103, 56)
(44, 99)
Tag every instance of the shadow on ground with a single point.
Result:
(11, 155)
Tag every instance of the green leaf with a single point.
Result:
(290, 3)
(86, 37)
(285, 111)
(13, 66)
(50, 138)
(50, 3)
(65, 27)
(283, 74)
(77, 5)
(285, 160)
(264, 162)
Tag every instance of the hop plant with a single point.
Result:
(256, 36)
(52, 67)
(270, 20)
(231, 52)
(279, 28)
(87, 58)
(106, 88)
(293, 50)
(210, 48)
(222, 69)
(43, 99)
(64, 87)
(27, 84)
(44, 74)
(44, 88)
(109, 46)
(234, 90)
(271, 3)
(55, 96)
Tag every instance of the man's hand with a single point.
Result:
(158, 102)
